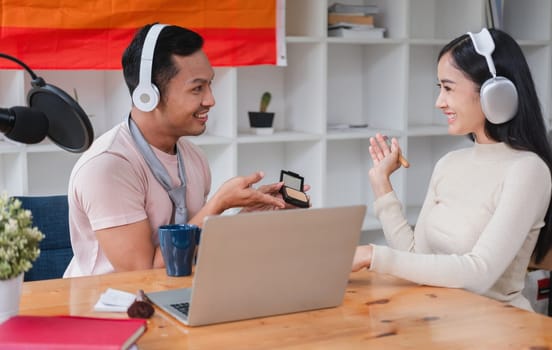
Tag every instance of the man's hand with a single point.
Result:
(272, 190)
(239, 192)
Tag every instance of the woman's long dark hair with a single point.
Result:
(526, 131)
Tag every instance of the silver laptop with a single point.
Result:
(268, 263)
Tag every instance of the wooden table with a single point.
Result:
(378, 312)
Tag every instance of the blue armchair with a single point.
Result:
(51, 216)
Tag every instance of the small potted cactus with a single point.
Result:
(261, 121)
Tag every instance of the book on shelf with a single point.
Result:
(346, 8)
(70, 332)
(335, 18)
(346, 126)
(356, 31)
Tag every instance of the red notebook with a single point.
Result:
(69, 332)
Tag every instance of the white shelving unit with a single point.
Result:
(389, 84)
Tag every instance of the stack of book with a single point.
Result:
(353, 21)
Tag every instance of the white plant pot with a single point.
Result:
(10, 295)
(263, 131)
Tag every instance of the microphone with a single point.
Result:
(51, 112)
(23, 124)
(69, 126)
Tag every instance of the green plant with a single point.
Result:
(19, 241)
(265, 101)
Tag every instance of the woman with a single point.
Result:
(487, 209)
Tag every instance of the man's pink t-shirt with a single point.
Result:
(111, 185)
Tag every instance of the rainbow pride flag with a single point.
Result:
(92, 34)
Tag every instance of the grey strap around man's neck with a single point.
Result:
(177, 194)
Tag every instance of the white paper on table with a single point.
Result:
(114, 300)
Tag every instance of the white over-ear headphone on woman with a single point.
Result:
(146, 95)
(498, 95)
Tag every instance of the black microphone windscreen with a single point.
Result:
(69, 126)
(30, 125)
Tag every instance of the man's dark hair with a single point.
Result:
(172, 40)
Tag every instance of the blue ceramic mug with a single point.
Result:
(178, 246)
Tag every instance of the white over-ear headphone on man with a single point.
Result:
(146, 95)
(498, 95)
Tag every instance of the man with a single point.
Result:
(132, 178)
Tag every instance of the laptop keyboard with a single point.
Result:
(182, 308)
